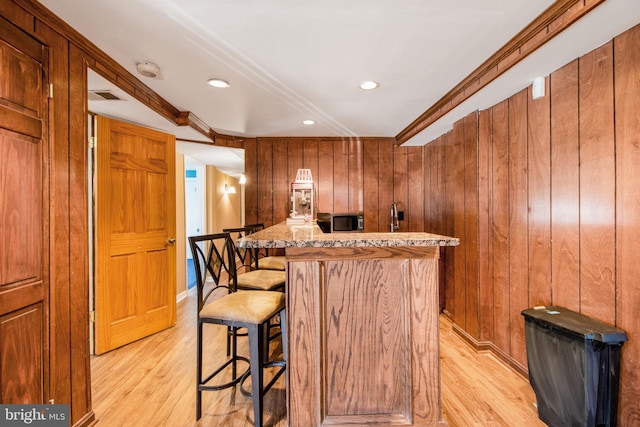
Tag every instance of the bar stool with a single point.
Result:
(257, 277)
(254, 279)
(220, 303)
(262, 260)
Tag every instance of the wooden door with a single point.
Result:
(135, 227)
(24, 223)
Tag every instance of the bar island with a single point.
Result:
(362, 324)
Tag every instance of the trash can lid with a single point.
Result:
(554, 317)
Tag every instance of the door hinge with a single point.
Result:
(92, 142)
(51, 90)
(92, 316)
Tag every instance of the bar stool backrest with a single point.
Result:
(245, 256)
(254, 228)
(214, 263)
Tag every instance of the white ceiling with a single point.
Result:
(290, 60)
(228, 160)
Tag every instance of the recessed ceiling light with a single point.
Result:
(308, 122)
(216, 82)
(369, 85)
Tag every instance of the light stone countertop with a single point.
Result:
(310, 236)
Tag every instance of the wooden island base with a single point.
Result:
(363, 346)
(362, 323)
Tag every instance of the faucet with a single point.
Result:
(395, 225)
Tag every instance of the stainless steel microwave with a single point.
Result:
(350, 222)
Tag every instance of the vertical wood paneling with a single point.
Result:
(400, 187)
(500, 226)
(449, 165)
(470, 215)
(627, 105)
(518, 243)
(385, 184)
(295, 148)
(438, 191)
(437, 199)
(310, 161)
(251, 173)
(427, 167)
(415, 189)
(67, 128)
(310, 156)
(78, 297)
(539, 177)
(597, 182)
(325, 177)
(485, 249)
(282, 179)
(295, 154)
(341, 175)
(565, 188)
(457, 158)
(264, 181)
(370, 187)
(355, 175)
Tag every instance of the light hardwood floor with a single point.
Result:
(151, 383)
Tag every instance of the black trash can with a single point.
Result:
(574, 363)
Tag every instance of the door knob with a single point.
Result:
(171, 240)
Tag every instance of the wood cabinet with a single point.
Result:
(23, 217)
(363, 344)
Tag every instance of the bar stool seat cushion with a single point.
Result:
(246, 307)
(272, 263)
(261, 279)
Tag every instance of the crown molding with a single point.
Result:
(111, 70)
(555, 19)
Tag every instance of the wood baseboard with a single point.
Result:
(481, 346)
(89, 419)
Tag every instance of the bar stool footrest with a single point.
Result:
(275, 363)
(239, 378)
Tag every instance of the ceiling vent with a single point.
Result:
(103, 95)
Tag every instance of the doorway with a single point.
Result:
(195, 202)
(108, 100)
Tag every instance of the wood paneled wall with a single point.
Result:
(543, 195)
(544, 201)
(350, 175)
(626, 65)
(66, 316)
(452, 200)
